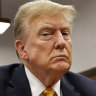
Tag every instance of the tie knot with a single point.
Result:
(48, 92)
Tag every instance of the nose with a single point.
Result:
(60, 41)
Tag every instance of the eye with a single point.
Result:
(46, 34)
(65, 33)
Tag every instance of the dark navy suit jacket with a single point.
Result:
(13, 82)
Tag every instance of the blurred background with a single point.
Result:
(83, 35)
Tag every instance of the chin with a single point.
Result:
(62, 67)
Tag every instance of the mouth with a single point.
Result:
(60, 56)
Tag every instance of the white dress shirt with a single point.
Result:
(37, 87)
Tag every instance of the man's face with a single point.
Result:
(48, 44)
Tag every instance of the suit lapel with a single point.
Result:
(68, 89)
(18, 85)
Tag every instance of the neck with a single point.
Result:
(48, 78)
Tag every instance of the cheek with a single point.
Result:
(70, 46)
(70, 52)
(39, 50)
(44, 47)
(69, 49)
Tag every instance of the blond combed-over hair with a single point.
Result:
(29, 11)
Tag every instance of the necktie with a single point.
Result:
(48, 92)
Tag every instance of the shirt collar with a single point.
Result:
(37, 87)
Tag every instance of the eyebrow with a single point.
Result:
(51, 26)
(45, 26)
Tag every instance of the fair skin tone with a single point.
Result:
(47, 49)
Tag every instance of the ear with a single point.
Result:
(20, 48)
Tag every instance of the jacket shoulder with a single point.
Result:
(84, 85)
(7, 70)
(78, 77)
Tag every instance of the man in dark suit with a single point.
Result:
(14, 82)
(43, 44)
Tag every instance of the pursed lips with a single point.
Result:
(60, 56)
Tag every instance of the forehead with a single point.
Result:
(54, 21)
